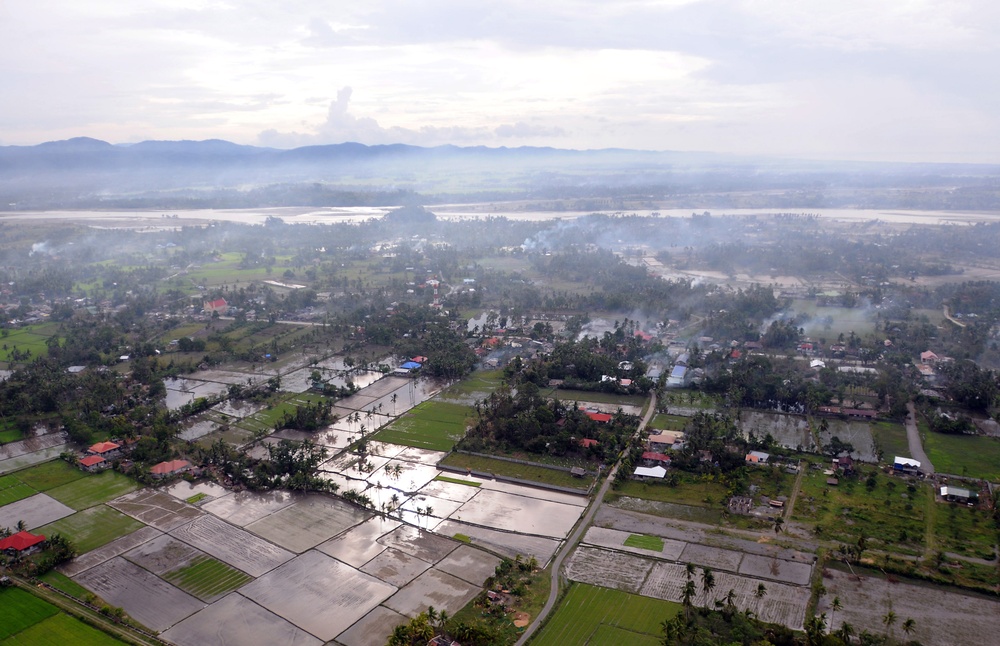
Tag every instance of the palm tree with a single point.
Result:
(689, 571)
(730, 602)
(393, 399)
(443, 618)
(779, 523)
(846, 632)
(759, 594)
(815, 629)
(835, 607)
(889, 619)
(707, 582)
(909, 626)
(687, 598)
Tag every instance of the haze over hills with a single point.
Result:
(89, 173)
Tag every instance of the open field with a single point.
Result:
(12, 490)
(93, 490)
(35, 511)
(308, 522)
(690, 490)
(529, 472)
(30, 338)
(207, 578)
(49, 475)
(434, 425)
(891, 437)
(791, 431)
(234, 620)
(652, 543)
(844, 319)
(232, 545)
(60, 630)
(608, 399)
(667, 422)
(964, 455)
(92, 528)
(594, 616)
(156, 508)
(60, 581)
(890, 516)
(478, 385)
(963, 530)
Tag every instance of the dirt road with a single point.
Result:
(913, 438)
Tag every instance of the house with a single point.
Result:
(928, 357)
(420, 359)
(657, 473)
(578, 472)
(411, 365)
(169, 468)
(844, 464)
(106, 450)
(757, 457)
(218, 305)
(94, 463)
(957, 494)
(654, 459)
(587, 443)
(678, 376)
(661, 442)
(22, 543)
(600, 418)
(906, 465)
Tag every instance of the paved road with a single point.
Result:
(574, 537)
(913, 438)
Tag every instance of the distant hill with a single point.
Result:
(88, 173)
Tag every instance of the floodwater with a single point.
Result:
(181, 391)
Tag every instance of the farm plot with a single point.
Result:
(373, 629)
(451, 488)
(12, 490)
(769, 567)
(244, 507)
(713, 557)
(592, 615)
(156, 508)
(857, 434)
(34, 510)
(20, 610)
(163, 554)
(30, 459)
(308, 522)
(619, 540)
(791, 431)
(145, 597)
(610, 569)
(506, 543)
(433, 425)
(232, 545)
(107, 552)
(432, 588)
(49, 475)
(942, 617)
(93, 490)
(359, 545)
(974, 456)
(411, 475)
(394, 567)
(416, 542)
(785, 604)
(206, 578)
(61, 629)
(184, 490)
(234, 621)
(475, 566)
(319, 594)
(501, 510)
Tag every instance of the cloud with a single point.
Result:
(523, 130)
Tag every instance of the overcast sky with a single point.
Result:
(911, 80)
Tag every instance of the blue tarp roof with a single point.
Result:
(678, 371)
(410, 365)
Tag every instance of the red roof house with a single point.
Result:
(20, 542)
(169, 468)
(218, 305)
(105, 449)
(419, 359)
(587, 443)
(93, 463)
(651, 458)
(600, 418)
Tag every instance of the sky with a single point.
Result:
(893, 80)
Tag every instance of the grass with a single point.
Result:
(31, 337)
(591, 615)
(433, 425)
(49, 475)
(468, 483)
(596, 397)
(195, 499)
(667, 422)
(644, 542)
(20, 610)
(91, 528)
(964, 455)
(463, 537)
(480, 383)
(207, 578)
(93, 490)
(891, 437)
(60, 630)
(9, 435)
(12, 490)
(60, 581)
(690, 490)
(514, 470)
(963, 530)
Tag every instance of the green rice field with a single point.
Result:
(963, 455)
(20, 610)
(93, 490)
(594, 616)
(468, 483)
(60, 581)
(652, 543)
(60, 630)
(891, 437)
(207, 578)
(49, 475)
(529, 472)
(12, 490)
(433, 425)
(91, 528)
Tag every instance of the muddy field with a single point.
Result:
(506, 543)
(318, 594)
(308, 522)
(104, 553)
(416, 542)
(163, 554)
(359, 544)
(515, 513)
(943, 617)
(433, 588)
(472, 565)
(148, 599)
(232, 545)
(858, 434)
(35, 511)
(244, 507)
(615, 539)
(236, 621)
(395, 568)
(156, 508)
(373, 629)
(790, 431)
